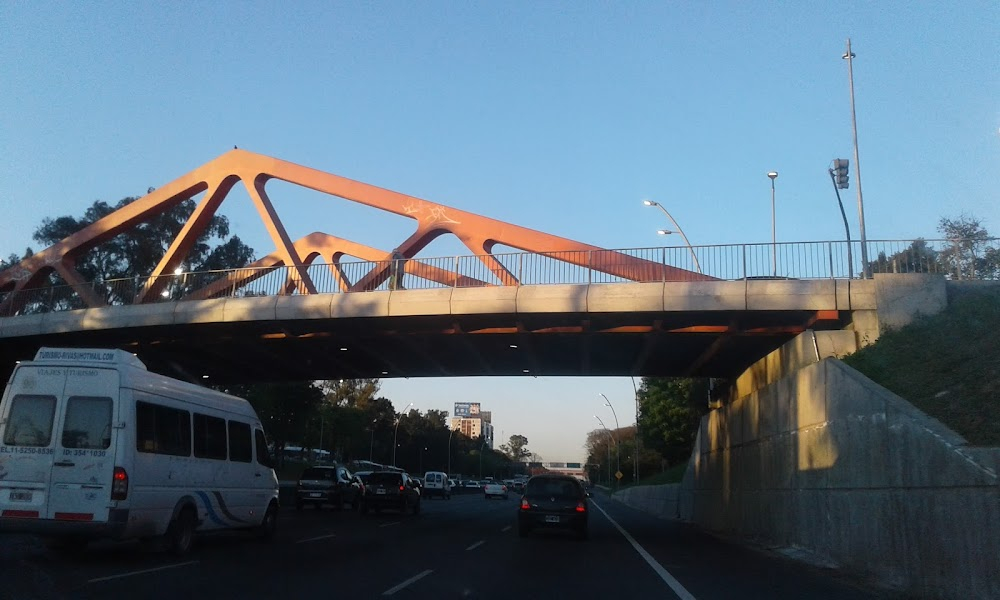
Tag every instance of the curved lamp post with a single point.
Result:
(610, 435)
(396, 430)
(694, 256)
(618, 454)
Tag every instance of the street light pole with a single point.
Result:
(449, 453)
(774, 239)
(694, 256)
(849, 57)
(635, 473)
(395, 431)
(371, 448)
(618, 454)
(481, 460)
(609, 446)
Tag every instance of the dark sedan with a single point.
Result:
(552, 501)
(392, 490)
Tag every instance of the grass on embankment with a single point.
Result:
(947, 365)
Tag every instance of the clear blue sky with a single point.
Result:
(558, 116)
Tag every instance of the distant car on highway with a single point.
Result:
(493, 489)
(328, 485)
(553, 501)
(436, 483)
(391, 490)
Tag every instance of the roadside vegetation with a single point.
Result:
(947, 365)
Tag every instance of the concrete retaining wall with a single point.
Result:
(828, 461)
(659, 500)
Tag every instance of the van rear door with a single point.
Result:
(82, 472)
(27, 440)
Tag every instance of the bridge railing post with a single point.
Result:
(590, 267)
(520, 268)
(663, 264)
(744, 248)
(829, 249)
(456, 271)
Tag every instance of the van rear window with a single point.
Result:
(29, 422)
(88, 423)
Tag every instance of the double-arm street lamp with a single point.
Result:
(694, 256)
(396, 430)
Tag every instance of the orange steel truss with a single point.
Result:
(217, 178)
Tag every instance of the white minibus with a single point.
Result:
(92, 445)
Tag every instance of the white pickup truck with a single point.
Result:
(494, 488)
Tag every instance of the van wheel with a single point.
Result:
(180, 534)
(416, 508)
(364, 508)
(269, 526)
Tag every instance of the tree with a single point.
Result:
(670, 411)
(968, 254)
(137, 251)
(285, 409)
(917, 258)
(516, 448)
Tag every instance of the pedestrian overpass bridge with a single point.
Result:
(326, 307)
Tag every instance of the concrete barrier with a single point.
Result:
(826, 461)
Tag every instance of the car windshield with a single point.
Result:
(385, 479)
(560, 488)
(315, 473)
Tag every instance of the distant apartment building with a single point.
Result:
(473, 422)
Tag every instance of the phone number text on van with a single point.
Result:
(24, 450)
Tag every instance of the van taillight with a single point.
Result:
(524, 504)
(581, 507)
(119, 484)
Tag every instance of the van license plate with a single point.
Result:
(551, 518)
(20, 496)
(380, 492)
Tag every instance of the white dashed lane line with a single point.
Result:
(142, 572)
(505, 529)
(409, 581)
(476, 545)
(391, 523)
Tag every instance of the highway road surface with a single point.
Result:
(467, 547)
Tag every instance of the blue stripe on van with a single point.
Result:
(211, 511)
(225, 509)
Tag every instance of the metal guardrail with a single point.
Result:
(957, 259)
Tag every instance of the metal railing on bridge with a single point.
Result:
(956, 259)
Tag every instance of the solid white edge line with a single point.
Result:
(319, 537)
(131, 573)
(476, 545)
(665, 575)
(413, 579)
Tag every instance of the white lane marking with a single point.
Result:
(507, 528)
(665, 575)
(413, 579)
(153, 570)
(319, 537)
(392, 523)
(476, 545)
